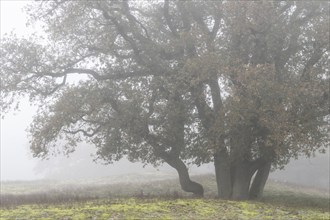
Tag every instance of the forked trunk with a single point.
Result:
(234, 180)
(186, 183)
(259, 181)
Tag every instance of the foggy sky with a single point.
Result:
(16, 162)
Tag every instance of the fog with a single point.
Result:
(17, 162)
(313, 172)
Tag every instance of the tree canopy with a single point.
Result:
(244, 84)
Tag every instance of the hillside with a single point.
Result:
(132, 196)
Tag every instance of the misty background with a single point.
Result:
(18, 164)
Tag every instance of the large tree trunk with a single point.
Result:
(234, 179)
(259, 181)
(241, 180)
(223, 175)
(186, 183)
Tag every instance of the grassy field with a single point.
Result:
(159, 198)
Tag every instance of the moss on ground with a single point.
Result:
(153, 200)
(134, 208)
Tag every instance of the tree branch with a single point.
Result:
(215, 28)
(199, 19)
(50, 92)
(134, 19)
(123, 33)
(215, 93)
(204, 111)
(256, 164)
(316, 56)
(85, 133)
(168, 19)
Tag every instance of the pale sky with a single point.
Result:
(16, 160)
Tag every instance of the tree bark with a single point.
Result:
(186, 183)
(234, 179)
(241, 181)
(259, 181)
(223, 175)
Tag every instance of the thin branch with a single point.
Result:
(134, 19)
(316, 56)
(184, 15)
(85, 133)
(151, 104)
(215, 28)
(47, 93)
(93, 73)
(123, 33)
(199, 19)
(168, 19)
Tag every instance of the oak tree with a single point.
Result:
(242, 84)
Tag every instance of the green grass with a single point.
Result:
(134, 208)
(155, 199)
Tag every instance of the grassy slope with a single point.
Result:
(134, 208)
(159, 199)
